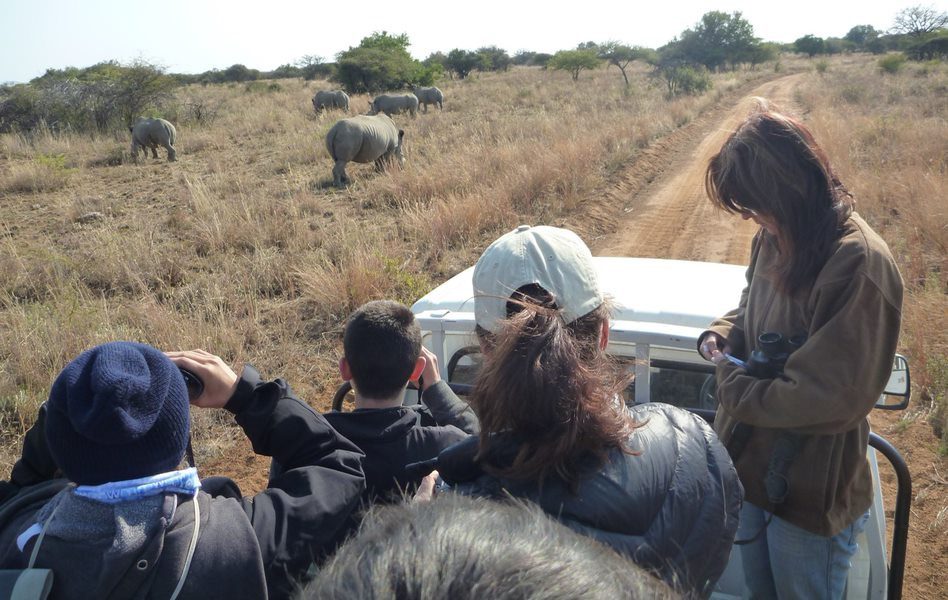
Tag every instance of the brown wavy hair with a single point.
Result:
(550, 384)
(771, 165)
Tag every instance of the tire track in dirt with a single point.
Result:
(671, 217)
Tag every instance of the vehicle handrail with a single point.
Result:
(903, 502)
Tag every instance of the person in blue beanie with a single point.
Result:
(100, 495)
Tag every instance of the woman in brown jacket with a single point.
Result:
(798, 435)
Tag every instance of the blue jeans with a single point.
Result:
(786, 562)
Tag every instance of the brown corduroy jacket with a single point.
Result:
(851, 316)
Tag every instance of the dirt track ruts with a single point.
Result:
(671, 217)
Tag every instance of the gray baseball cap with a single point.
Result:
(555, 259)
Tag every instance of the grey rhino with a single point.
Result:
(331, 99)
(363, 139)
(392, 104)
(429, 95)
(151, 133)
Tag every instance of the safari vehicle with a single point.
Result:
(662, 308)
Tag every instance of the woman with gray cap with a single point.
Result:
(651, 481)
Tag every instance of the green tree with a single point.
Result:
(621, 56)
(493, 58)
(809, 45)
(380, 62)
(462, 62)
(240, 73)
(860, 35)
(574, 61)
(717, 40)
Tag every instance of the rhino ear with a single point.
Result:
(401, 134)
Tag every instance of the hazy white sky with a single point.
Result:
(191, 36)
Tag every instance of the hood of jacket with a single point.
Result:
(377, 425)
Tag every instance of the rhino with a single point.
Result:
(391, 104)
(331, 99)
(363, 139)
(429, 95)
(151, 133)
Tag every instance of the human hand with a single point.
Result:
(218, 378)
(431, 374)
(426, 489)
(713, 347)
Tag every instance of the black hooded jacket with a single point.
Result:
(392, 438)
(672, 509)
(256, 547)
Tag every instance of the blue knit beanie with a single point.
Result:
(118, 411)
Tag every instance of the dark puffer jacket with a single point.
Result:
(672, 509)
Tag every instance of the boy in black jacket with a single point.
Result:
(382, 353)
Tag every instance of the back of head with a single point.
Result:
(540, 315)
(382, 342)
(459, 548)
(118, 411)
(771, 165)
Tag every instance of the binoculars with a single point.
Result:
(773, 349)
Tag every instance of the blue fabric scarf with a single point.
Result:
(185, 481)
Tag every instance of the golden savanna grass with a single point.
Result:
(243, 247)
(888, 137)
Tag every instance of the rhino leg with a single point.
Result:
(135, 152)
(339, 177)
(154, 151)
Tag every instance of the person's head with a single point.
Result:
(543, 324)
(118, 411)
(382, 348)
(460, 548)
(772, 170)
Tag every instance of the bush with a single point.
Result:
(821, 66)
(892, 63)
(48, 172)
(683, 80)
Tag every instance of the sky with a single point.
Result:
(192, 36)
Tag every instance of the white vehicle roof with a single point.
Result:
(646, 290)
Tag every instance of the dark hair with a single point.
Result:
(772, 165)
(551, 385)
(382, 342)
(461, 548)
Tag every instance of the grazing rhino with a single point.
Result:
(151, 133)
(391, 104)
(364, 139)
(331, 99)
(429, 95)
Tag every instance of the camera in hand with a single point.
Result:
(773, 349)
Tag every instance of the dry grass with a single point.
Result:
(888, 135)
(244, 248)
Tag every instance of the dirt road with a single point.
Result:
(672, 217)
(666, 214)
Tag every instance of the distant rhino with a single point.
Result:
(331, 99)
(429, 95)
(151, 133)
(363, 139)
(391, 104)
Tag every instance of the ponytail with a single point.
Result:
(551, 385)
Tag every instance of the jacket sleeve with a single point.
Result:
(731, 326)
(304, 511)
(448, 409)
(830, 384)
(35, 464)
